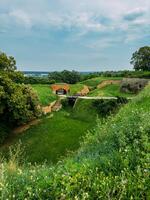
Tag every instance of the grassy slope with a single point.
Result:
(45, 93)
(109, 90)
(53, 137)
(95, 81)
(111, 164)
(75, 88)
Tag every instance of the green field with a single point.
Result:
(45, 93)
(109, 91)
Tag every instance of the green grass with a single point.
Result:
(96, 81)
(112, 163)
(55, 136)
(75, 88)
(45, 93)
(85, 111)
(109, 91)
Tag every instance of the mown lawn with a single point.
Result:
(45, 93)
(109, 91)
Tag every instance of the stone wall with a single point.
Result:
(133, 85)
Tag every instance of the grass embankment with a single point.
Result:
(55, 136)
(75, 88)
(94, 82)
(112, 163)
(109, 91)
(45, 94)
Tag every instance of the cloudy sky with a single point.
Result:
(86, 35)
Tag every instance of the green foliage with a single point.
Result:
(18, 103)
(65, 76)
(141, 59)
(112, 163)
(37, 80)
(15, 76)
(107, 107)
(4, 131)
(7, 63)
(45, 94)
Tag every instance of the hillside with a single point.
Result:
(61, 132)
(93, 82)
(45, 93)
(112, 163)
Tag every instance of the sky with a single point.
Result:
(83, 35)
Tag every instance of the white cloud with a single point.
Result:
(83, 16)
(20, 17)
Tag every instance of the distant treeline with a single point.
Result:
(72, 77)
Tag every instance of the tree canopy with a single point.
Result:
(65, 76)
(141, 59)
(7, 63)
(18, 102)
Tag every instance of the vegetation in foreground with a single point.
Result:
(112, 163)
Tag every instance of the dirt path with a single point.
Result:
(84, 91)
(108, 82)
(19, 130)
(25, 127)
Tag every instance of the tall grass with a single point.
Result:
(112, 163)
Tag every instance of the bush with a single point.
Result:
(107, 107)
(18, 102)
(4, 131)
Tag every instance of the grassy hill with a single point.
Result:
(112, 163)
(75, 88)
(110, 90)
(45, 93)
(96, 81)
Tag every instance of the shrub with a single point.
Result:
(107, 107)
(18, 102)
(4, 131)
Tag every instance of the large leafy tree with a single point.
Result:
(7, 63)
(141, 59)
(18, 102)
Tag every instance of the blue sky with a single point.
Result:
(84, 35)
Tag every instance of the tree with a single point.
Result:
(65, 76)
(18, 102)
(141, 59)
(7, 63)
(70, 77)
